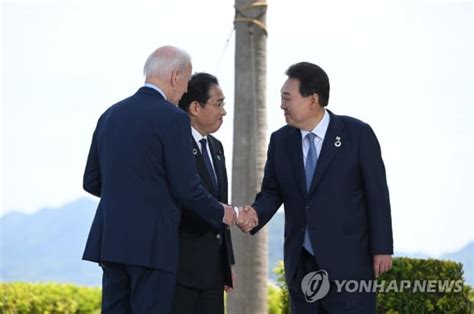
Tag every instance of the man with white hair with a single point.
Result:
(141, 166)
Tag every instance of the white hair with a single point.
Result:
(165, 60)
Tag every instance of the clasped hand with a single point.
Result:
(247, 217)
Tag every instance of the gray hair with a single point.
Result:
(165, 60)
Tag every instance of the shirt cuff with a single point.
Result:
(236, 210)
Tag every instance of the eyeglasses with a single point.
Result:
(219, 105)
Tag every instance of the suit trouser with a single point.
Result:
(198, 301)
(334, 302)
(133, 289)
(190, 299)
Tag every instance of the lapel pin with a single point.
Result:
(195, 152)
(338, 142)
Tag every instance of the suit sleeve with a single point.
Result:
(182, 174)
(377, 195)
(92, 182)
(268, 200)
(230, 249)
(228, 236)
(224, 170)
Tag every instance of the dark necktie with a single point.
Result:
(207, 162)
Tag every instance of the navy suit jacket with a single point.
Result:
(206, 255)
(140, 165)
(347, 209)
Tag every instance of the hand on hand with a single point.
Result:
(230, 217)
(248, 218)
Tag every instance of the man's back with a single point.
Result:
(141, 166)
(135, 161)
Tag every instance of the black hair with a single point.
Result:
(198, 90)
(312, 79)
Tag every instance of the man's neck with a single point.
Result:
(199, 130)
(311, 124)
(159, 84)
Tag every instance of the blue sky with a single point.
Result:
(405, 68)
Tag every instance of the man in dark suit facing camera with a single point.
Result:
(205, 254)
(327, 170)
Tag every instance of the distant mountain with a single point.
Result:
(465, 256)
(48, 245)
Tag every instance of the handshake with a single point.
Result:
(246, 219)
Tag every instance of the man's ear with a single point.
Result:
(174, 77)
(194, 108)
(315, 101)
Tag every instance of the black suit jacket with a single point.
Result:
(140, 166)
(206, 254)
(347, 209)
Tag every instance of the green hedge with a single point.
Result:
(434, 302)
(274, 299)
(281, 282)
(26, 298)
(22, 298)
(406, 301)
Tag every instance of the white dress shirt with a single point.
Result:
(320, 132)
(156, 88)
(197, 137)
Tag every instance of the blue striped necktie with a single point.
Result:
(310, 166)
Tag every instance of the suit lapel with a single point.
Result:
(201, 166)
(328, 149)
(296, 156)
(218, 161)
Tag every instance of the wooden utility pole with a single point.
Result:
(249, 155)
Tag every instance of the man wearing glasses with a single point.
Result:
(205, 254)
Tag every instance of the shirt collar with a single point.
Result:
(196, 135)
(321, 128)
(153, 86)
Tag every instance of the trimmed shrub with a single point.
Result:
(454, 299)
(22, 298)
(25, 298)
(430, 273)
(274, 299)
(281, 282)
(51, 298)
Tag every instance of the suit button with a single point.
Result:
(218, 236)
(307, 206)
